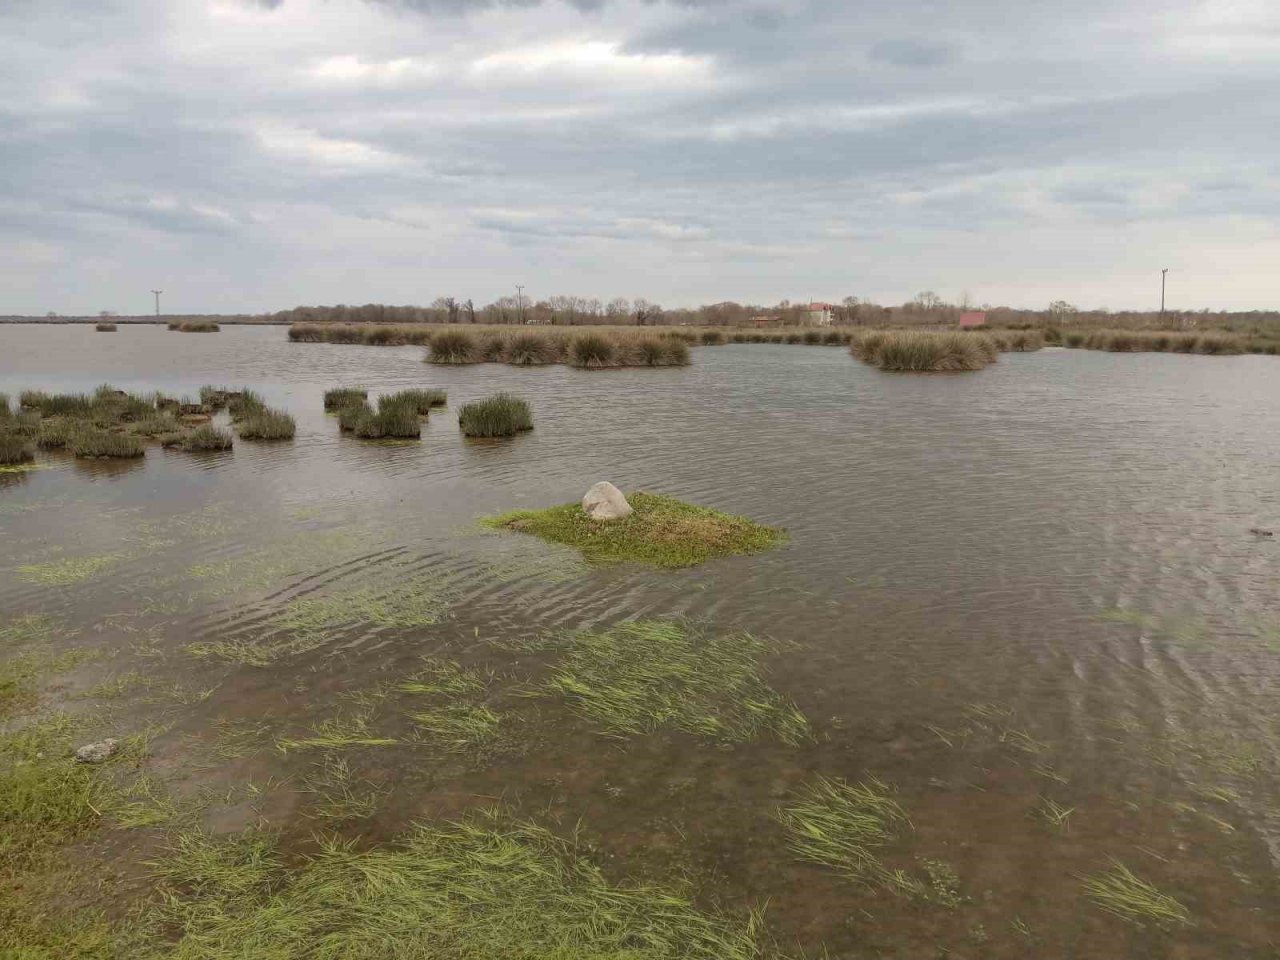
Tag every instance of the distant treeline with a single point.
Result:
(925, 310)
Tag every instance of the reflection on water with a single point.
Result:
(1027, 598)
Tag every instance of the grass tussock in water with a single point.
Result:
(15, 450)
(661, 531)
(339, 397)
(1122, 893)
(480, 889)
(265, 423)
(103, 444)
(453, 346)
(925, 351)
(105, 327)
(194, 326)
(392, 421)
(419, 400)
(205, 437)
(846, 826)
(501, 415)
(643, 675)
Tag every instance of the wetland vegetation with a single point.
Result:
(502, 415)
(661, 531)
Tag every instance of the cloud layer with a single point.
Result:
(248, 155)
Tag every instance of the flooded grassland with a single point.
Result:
(1007, 688)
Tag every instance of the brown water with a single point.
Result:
(1036, 580)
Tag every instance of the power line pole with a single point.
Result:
(520, 301)
(1162, 275)
(157, 293)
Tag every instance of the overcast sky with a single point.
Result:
(250, 155)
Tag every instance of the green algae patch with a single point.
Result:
(479, 889)
(661, 531)
(646, 674)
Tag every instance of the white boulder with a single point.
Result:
(604, 501)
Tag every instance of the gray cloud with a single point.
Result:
(252, 154)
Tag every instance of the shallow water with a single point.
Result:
(1033, 581)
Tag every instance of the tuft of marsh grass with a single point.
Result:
(339, 795)
(591, 351)
(646, 674)
(155, 425)
(194, 326)
(266, 424)
(844, 826)
(15, 449)
(352, 414)
(393, 420)
(419, 400)
(1122, 893)
(244, 403)
(105, 327)
(339, 397)
(453, 346)
(532, 349)
(1055, 814)
(480, 889)
(1162, 341)
(925, 351)
(501, 415)
(92, 443)
(661, 531)
(204, 437)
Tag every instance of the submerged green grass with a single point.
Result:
(480, 889)
(647, 674)
(845, 826)
(66, 572)
(1124, 894)
(662, 531)
(448, 708)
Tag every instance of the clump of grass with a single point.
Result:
(105, 327)
(844, 826)
(925, 351)
(419, 400)
(339, 794)
(352, 415)
(339, 397)
(661, 531)
(204, 437)
(194, 326)
(1017, 341)
(15, 449)
(266, 424)
(646, 674)
(453, 346)
(391, 421)
(57, 404)
(1121, 893)
(532, 349)
(92, 443)
(501, 415)
(592, 351)
(1159, 341)
(1055, 814)
(244, 403)
(216, 398)
(55, 434)
(155, 425)
(481, 888)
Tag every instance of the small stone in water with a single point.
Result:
(97, 752)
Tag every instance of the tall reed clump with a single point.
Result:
(91, 443)
(352, 414)
(453, 346)
(534, 350)
(925, 351)
(105, 327)
(1159, 341)
(371, 334)
(194, 326)
(339, 397)
(55, 433)
(592, 351)
(502, 415)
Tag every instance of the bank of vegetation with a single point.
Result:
(114, 424)
(397, 416)
(194, 326)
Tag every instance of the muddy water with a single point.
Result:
(1034, 581)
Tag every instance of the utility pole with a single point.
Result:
(520, 301)
(157, 293)
(1162, 274)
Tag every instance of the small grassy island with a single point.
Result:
(662, 531)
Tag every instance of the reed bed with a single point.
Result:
(1016, 341)
(502, 415)
(352, 414)
(1165, 341)
(204, 437)
(393, 421)
(105, 327)
(194, 326)
(453, 346)
(369, 334)
(265, 423)
(55, 434)
(339, 397)
(925, 351)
